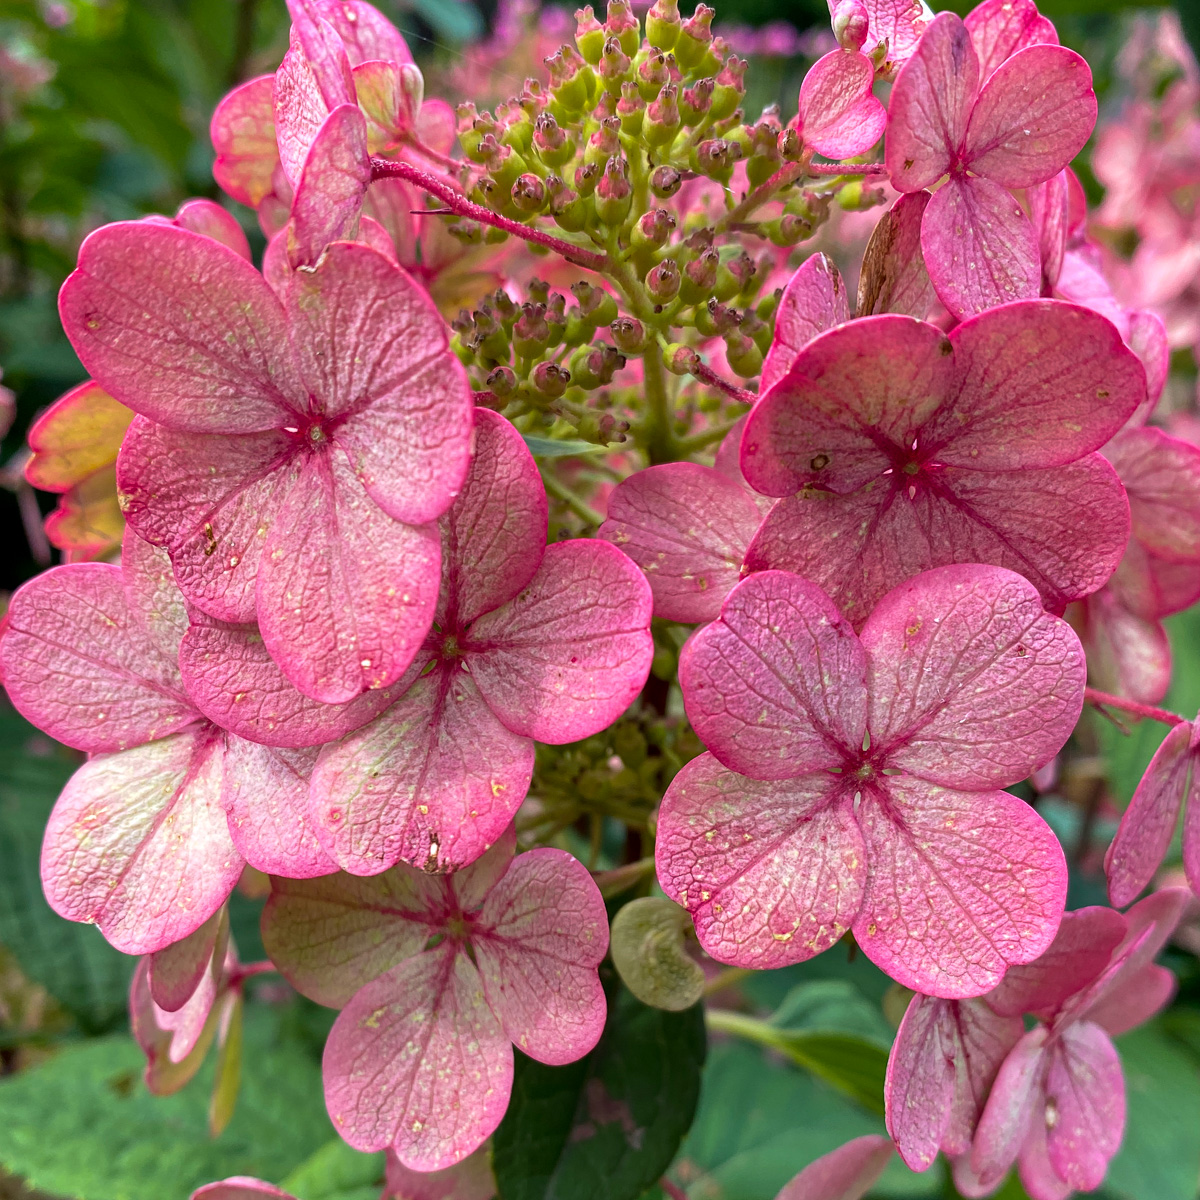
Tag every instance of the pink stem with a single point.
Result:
(706, 374)
(382, 168)
(846, 169)
(673, 1190)
(246, 970)
(1132, 707)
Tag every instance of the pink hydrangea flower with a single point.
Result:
(1057, 1106)
(437, 977)
(1014, 128)
(852, 779)
(530, 641)
(899, 448)
(150, 835)
(292, 453)
(847, 1173)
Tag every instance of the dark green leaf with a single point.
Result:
(607, 1127)
(336, 1172)
(850, 1063)
(541, 447)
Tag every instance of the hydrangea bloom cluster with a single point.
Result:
(542, 496)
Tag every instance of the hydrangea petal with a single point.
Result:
(772, 873)
(893, 277)
(1161, 475)
(687, 527)
(78, 663)
(206, 358)
(1010, 1110)
(898, 22)
(471, 1179)
(1148, 340)
(87, 522)
(850, 399)
(839, 117)
(960, 886)
(1039, 1178)
(471, 885)
(980, 248)
(176, 971)
(565, 657)
(210, 219)
(1128, 655)
(433, 781)
(242, 131)
(847, 1173)
(418, 1061)
(345, 594)
(775, 687)
(138, 843)
(332, 935)
(265, 795)
(538, 939)
(209, 500)
(165, 1074)
(78, 434)
(813, 301)
(1000, 28)
(365, 31)
(942, 1064)
(1150, 820)
(1032, 117)
(240, 1187)
(1048, 211)
(972, 683)
(1134, 1000)
(931, 104)
(154, 598)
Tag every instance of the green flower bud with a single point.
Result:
(695, 102)
(531, 333)
(614, 195)
(616, 67)
(596, 305)
(700, 277)
(550, 380)
(730, 89)
(621, 23)
(665, 181)
(529, 194)
(652, 77)
(680, 359)
(695, 37)
(663, 120)
(663, 24)
(653, 229)
(629, 335)
(743, 355)
(502, 382)
(662, 282)
(631, 110)
(589, 35)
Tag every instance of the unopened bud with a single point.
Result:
(663, 120)
(695, 101)
(730, 88)
(653, 76)
(662, 282)
(594, 366)
(551, 142)
(596, 305)
(550, 380)
(412, 90)
(615, 66)
(734, 276)
(665, 181)
(663, 23)
(504, 306)
(569, 212)
(614, 195)
(791, 145)
(529, 194)
(700, 277)
(753, 326)
(586, 178)
(694, 37)
(850, 24)
(621, 23)
(743, 355)
(715, 158)
(631, 109)
(569, 76)
(653, 229)
(531, 334)
(604, 143)
(680, 359)
(788, 230)
(589, 35)
(502, 382)
(629, 335)
(648, 943)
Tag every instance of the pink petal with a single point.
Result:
(1134, 1000)
(1152, 587)
(538, 939)
(1000, 28)
(979, 246)
(364, 30)
(152, 594)
(1082, 283)
(1191, 841)
(1161, 475)
(898, 22)
(687, 527)
(243, 135)
(471, 885)
(138, 843)
(79, 665)
(331, 936)
(470, 1179)
(240, 1187)
(1079, 953)
(1040, 1180)
(209, 357)
(564, 658)
(851, 400)
(839, 117)
(234, 682)
(345, 594)
(775, 688)
(1048, 211)
(1149, 822)
(960, 886)
(266, 799)
(176, 971)
(972, 684)
(1016, 1098)
(381, 97)
(403, 397)
(1149, 923)
(1033, 116)
(813, 301)
(1085, 1105)
(941, 1067)
(165, 1074)
(210, 219)
(893, 276)
(772, 873)
(847, 1173)
(494, 535)
(209, 500)
(1039, 383)
(931, 104)
(433, 781)
(1128, 655)
(1148, 340)
(332, 186)
(418, 1061)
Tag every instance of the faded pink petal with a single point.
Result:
(567, 655)
(687, 527)
(979, 699)
(176, 971)
(77, 662)
(775, 688)
(313, 79)
(1150, 820)
(138, 842)
(211, 220)
(893, 276)
(1038, 1176)
(1032, 117)
(1133, 1000)
(839, 117)
(173, 1054)
(1161, 475)
(470, 1179)
(960, 886)
(1048, 211)
(243, 135)
(898, 22)
(1013, 1107)
(153, 596)
(941, 1067)
(846, 1173)
(931, 104)
(1148, 340)
(240, 1187)
(1000, 28)
(539, 936)
(1152, 587)
(772, 873)
(365, 32)
(1149, 923)
(980, 248)
(1128, 655)
(813, 301)
(418, 1061)
(202, 359)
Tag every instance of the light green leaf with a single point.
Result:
(541, 447)
(336, 1172)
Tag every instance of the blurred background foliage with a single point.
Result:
(104, 109)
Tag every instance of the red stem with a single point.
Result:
(846, 169)
(674, 1191)
(1132, 707)
(706, 374)
(382, 168)
(246, 970)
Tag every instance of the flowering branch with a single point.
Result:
(706, 374)
(1103, 700)
(382, 168)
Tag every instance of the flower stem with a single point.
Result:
(579, 507)
(382, 168)
(724, 978)
(784, 177)
(660, 441)
(698, 441)
(706, 374)
(846, 169)
(1102, 700)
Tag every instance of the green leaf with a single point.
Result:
(849, 1063)
(72, 961)
(83, 1124)
(833, 1006)
(337, 1172)
(607, 1127)
(541, 447)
